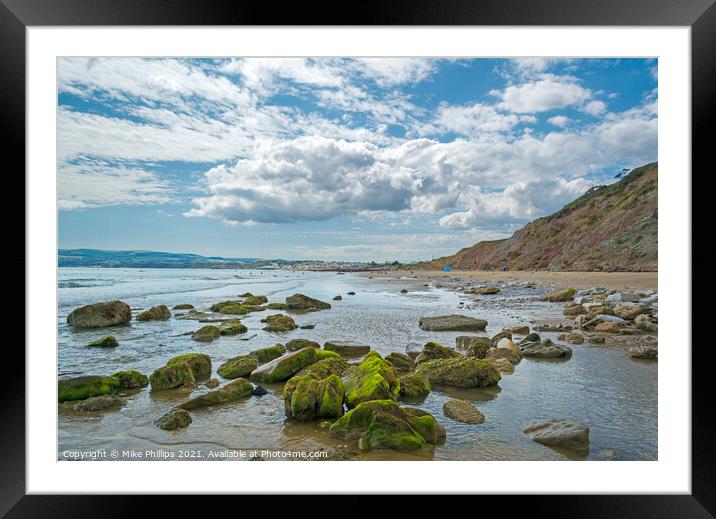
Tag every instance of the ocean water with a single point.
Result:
(600, 385)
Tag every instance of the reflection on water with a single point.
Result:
(600, 386)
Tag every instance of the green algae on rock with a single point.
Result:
(557, 296)
(265, 355)
(309, 397)
(285, 366)
(206, 333)
(236, 367)
(233, 328)
(169, 377)
(100, 315)
(400, 361)
(107, 341)
(183, 306)
(231, 392)
(79, 388)
(373, 379)
(131, 379)
(279, 323)
(277, 306)
(155, 313)
(414, 387)
(255, 300)
(174, 419)
(218, 306)
(383, 424)
(433, 351)
(299, 344)
(94, 404)
(347, 348)
(460, 372)
(200, 364)
(325, 367)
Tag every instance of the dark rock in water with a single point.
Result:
(307, 326)
(351, 293)
(338, 298)
(181, 370)
(532, 337)
(518, 330)
(174, 419)
(155, 313)
(183, 306)
(372, 379)
(566, 434)
(545, 349)
(463, 411)
(400, 361)
(414, 387)
(217, 307)
(504, 334)
(236, 367)
(433, 350)
(259, 391)
(95, 404)
(264, 355)
(303, 302)
(404, 291)
(108, 341)
(299, 344)
(80, 388)
(308, 397)
(473, 346)
(206, 333)
(459, 372)
(279, 323)
(233, 328)
(99, 315)
(457, 323)
(277, 306)
(285, 366)
(595, 339)
(255, 300)
(131, 379)
(644, 352)
(212, 383)
(231, 392)
(347, 348)
(383, 424)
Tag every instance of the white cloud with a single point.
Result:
(473, 119)
(548, 93)
(559, 120)
(595, 108)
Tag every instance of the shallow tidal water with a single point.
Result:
(600, 385)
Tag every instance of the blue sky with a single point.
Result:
(330, 158)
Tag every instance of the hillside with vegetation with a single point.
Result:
(608, 228)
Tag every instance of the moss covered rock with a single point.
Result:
(94, 404)
(200, 364)
(325, 354)
(233, 328)
(174, 419)
(231, 392)
(169, 377)
(309, 397)
(459, 372)
(400, 361)
(277, 306)
(325, 367)
(303, 302)
(79, 388)
(299, 344)
(107, 341)
(373, 379)
(155, 313)
(236, 367)
(265, 355)
(414, 387)
(206, 333)
(286, 366)
(183, 306)
(131, 379)
(383, 424)
(255, 300)
(100, 315)
(474, 346)
(347, 348)
(433, 351)
(218, 306)
(457, 323)
(234, 310)
(557, 296)
(279, 323)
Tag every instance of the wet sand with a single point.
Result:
(577, 280)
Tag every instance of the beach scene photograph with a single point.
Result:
(357, 259)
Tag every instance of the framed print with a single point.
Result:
(424, 247)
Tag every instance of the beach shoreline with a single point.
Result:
(576, 280)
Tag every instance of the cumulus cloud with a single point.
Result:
(473, 119)
(547, 93)
(595, 108)
(559, 120)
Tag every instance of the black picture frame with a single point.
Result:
(700, 15)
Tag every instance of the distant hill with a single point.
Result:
(608, 228)
(147, 259)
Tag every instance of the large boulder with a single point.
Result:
(309, 397)
(383, 424)
(566, 434)
(456, 323)
(79, 388)
(233, 328)
(414, 387)
(433, 350)
(200, 364)
(183, 306)
(285, 366)
(174, 419)
(545, 349)
(459, 372)
(217, 307)
(509, 350)
(237, 367)
(255, 300)
(463, 411)
(264, 355)
(107, 341)
(299, 344)
(131, 379)
(372, 379)
(155, 313)
(231, 392)
(400, 361)
(302, 302)
(279, 323)
(99, 315)
(326, 367)
(558, 296)
(347, 348)
(182, 370)
(206, 333)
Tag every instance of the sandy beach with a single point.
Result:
(577, 280)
